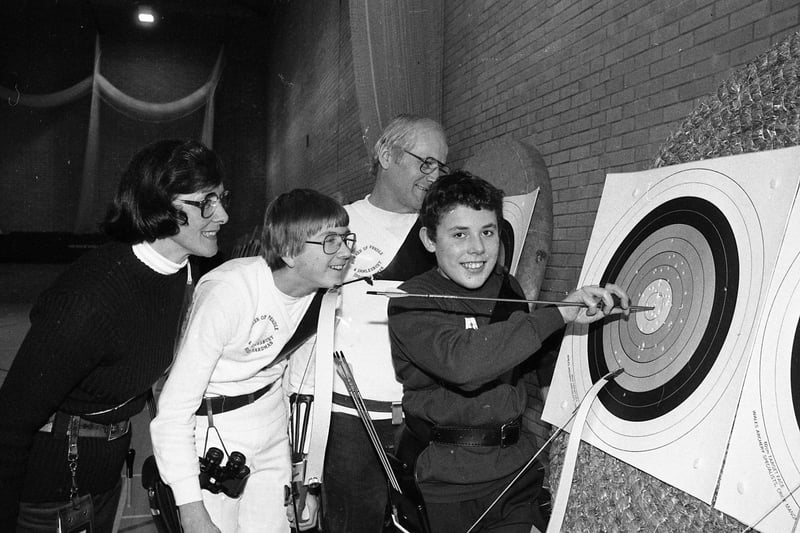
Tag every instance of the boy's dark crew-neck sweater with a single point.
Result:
(457, 368)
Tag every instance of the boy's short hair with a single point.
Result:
(453, 190)
(292, 218)
(143, 209)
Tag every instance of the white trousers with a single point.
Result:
(259, 431)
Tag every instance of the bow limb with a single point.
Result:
(308, 447)
(571, 454)
(323, 388)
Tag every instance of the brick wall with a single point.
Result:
(595, 86)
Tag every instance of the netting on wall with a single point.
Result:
(101, 89)
(755, 109)
(395, 45)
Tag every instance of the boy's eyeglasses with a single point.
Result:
(209, 204)
(331, 243)
(429, 164)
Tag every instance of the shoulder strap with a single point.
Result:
(305, 329)
(307, 326)
(411, 259)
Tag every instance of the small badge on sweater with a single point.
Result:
(470, 323)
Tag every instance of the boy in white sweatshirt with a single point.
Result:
(229, 362)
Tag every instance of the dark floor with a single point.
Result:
(20, 283)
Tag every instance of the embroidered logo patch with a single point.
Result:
(470, 323)
(367, 260)
(263, 328)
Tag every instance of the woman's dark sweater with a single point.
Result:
(99, 337)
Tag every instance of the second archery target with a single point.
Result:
(760, 483)
(698, 242)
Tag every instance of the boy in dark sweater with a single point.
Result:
(458, 359)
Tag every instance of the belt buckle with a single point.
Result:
(397, 413)
(117, 430)
(506, 432)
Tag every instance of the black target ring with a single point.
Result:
(711, 223)
(795, 375)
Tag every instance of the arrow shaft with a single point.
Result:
(396, 294)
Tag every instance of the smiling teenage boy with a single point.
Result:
(458, 359)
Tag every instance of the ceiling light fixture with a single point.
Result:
(145, 15)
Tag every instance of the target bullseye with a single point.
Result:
(657, 295)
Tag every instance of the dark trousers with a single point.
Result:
(105, 510)
(355, 490)
(516, 511)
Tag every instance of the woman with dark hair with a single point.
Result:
(100, 336)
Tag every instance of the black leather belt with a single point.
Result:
(372, 405)
(223, 404)
(502, 436)
(58, 424)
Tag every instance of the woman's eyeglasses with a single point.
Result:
(209, 204)
(331, 243)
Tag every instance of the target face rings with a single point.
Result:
(692, 246)
(681, 258)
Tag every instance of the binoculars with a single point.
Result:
(229, 479)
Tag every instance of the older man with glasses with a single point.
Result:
(408, 157)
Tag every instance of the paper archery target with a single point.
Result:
(698, 242)
(681, 259)
(692, 246)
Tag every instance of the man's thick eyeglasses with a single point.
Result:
(331, 243)
(429, 164)
(209, 204)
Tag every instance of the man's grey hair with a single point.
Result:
(401, 134)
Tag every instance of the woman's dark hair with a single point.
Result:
(453, 190)
(292, 218)
(142, 209)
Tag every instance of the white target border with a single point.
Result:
(686, 446)
(760, 482)
(742, 216)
